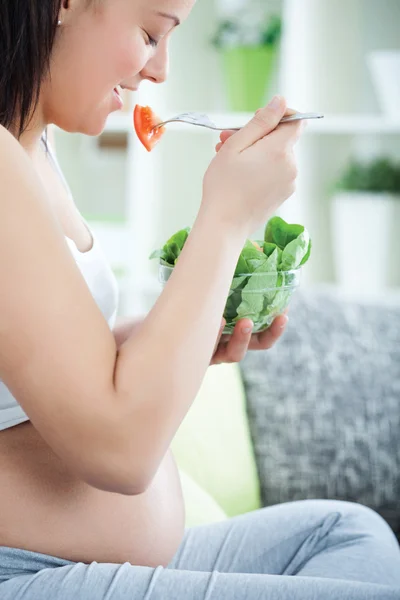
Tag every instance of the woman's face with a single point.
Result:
(101, 44)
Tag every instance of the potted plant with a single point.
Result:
(248, 41)
(366, 226)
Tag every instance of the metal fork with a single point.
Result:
(202, 120)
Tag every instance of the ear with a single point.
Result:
(71, 7)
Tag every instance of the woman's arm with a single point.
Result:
(110, 415)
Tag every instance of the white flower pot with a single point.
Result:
(366, 241)
(385, 72)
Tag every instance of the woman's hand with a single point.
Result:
(254, 170)
(233, 348)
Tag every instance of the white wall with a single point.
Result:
(323, 68)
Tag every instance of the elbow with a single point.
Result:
(120, 478)
(115, 486)
(111, 461)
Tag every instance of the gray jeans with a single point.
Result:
(308, 550)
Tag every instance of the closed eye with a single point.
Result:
(151, 41)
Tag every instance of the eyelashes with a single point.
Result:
(152, 42)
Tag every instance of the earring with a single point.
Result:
(59, 23)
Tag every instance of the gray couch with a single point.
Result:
(324, 405)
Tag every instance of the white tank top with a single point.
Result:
(103, 286)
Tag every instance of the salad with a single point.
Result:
(266, 274)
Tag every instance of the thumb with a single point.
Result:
(264, 121)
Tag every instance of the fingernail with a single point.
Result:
(286, 322)
(247, 329)
(275, 103)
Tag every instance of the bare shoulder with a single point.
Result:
(8, 143)
(16, 168)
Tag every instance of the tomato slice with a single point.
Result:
(144, 119)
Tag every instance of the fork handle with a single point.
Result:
(287, 119)
(294, 117)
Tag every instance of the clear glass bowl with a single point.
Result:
(260, 297)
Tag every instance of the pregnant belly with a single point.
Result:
(45, 509)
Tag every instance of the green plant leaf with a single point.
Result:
(272, 32)
(237, 31)
(379, 175)
(307, 255)
(269, 248)
(250, 258)
(256, 289)
(157, 254)
(173, 247)
(281, 233)
(234, 298)
(294, 252)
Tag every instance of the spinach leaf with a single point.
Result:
(281, 233)
(250, 258)
(261, 287)
(172, 248)
(234, 297)
(295, 251)
(307, 256)
(255, 292)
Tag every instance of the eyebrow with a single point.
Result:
(168, 16)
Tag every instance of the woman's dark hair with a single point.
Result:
(27, 32)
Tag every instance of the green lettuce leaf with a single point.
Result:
(260, 289)
(171, 250)
(292, 239)
(295, 251)
(256, 290)
(281, 233)
(249, 259)
(235, 297)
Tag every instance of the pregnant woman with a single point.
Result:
(90, 504)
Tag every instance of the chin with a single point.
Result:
(92, 129)
(92, 126)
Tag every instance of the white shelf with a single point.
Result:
(331, 124)
(354, 124)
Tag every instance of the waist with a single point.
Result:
(44, 508)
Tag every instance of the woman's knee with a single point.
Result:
(359, 518)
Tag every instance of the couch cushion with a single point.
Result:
(213, 443)
(324, 405)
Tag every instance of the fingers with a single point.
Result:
(264, 121)
(290, 111)
(266, 339)
(234, 349)
(287, 134)
(225, 135)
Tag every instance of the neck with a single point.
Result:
(30, 138)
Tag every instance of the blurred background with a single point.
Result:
(340, 58)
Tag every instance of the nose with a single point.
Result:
(156, 69)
